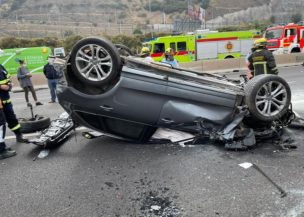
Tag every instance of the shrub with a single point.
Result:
(137, 31)
(69, 42)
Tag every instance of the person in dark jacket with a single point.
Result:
(262, 61)
(24, 78)
(52, 77)
(4, 151)
(11, 119)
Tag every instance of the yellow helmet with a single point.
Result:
(169, 51)
(145, 50)
(261, 42)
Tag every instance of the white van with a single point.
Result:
(59, 52)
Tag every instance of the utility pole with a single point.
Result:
(150, 18)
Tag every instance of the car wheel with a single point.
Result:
(268, 97)
(34, 124)
(95, 61)
(123, 50)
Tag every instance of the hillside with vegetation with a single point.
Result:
(57, 18)
(124, 11)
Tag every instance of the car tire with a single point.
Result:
(95, 61)
(268, 97)
(123, 50)
(33, 125)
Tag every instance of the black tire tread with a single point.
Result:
(31, 126)
(254, 85)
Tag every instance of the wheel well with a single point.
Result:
(296, 50)
(229, 57)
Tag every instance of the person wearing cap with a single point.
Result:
(169, 58)
(145, 54)
(52, 76)
(6, 103)
(262, 61)
(24, 78)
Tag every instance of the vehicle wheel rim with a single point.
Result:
(94, 62)
(271, 98)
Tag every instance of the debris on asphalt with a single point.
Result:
(286, 140)
(44, 153)
(58, 132)
(247, 165)
(155, 201)
(109, 184)
(156, 205)
(92, 134)
(298, 122)
(174, 136)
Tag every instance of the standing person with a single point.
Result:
(145, 54)
(52, 77)
(24, 77)
(248, 72)
(11, 119)
(169, 58)
(4, 151)
(262, 61)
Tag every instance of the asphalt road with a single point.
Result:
(105, 177)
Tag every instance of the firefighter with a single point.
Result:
(4, 151)
(11, 119)
(248, 72)
(145, 54)
(169, 58)
(262, 61)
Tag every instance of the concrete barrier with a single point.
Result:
(227, 65)
(213, 66)
(37, 79)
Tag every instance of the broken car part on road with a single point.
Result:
(35, 123)
(124, 97)
(247, 165)
(58, 131)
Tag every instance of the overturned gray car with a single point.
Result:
(124, 97)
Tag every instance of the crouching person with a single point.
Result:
(4, 151)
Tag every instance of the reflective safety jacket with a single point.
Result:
(262, 61)
(4, 80)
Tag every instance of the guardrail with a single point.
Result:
(227, 65)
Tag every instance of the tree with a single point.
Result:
(205, 4)
(295, 18)
(137, 31)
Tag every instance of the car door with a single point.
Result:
(188, 101)
(139, 98)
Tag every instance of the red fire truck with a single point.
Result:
(285, 39)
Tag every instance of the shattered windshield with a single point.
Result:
(274, 34)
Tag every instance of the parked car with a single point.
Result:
(126, 98)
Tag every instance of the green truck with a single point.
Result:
(35, 58)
